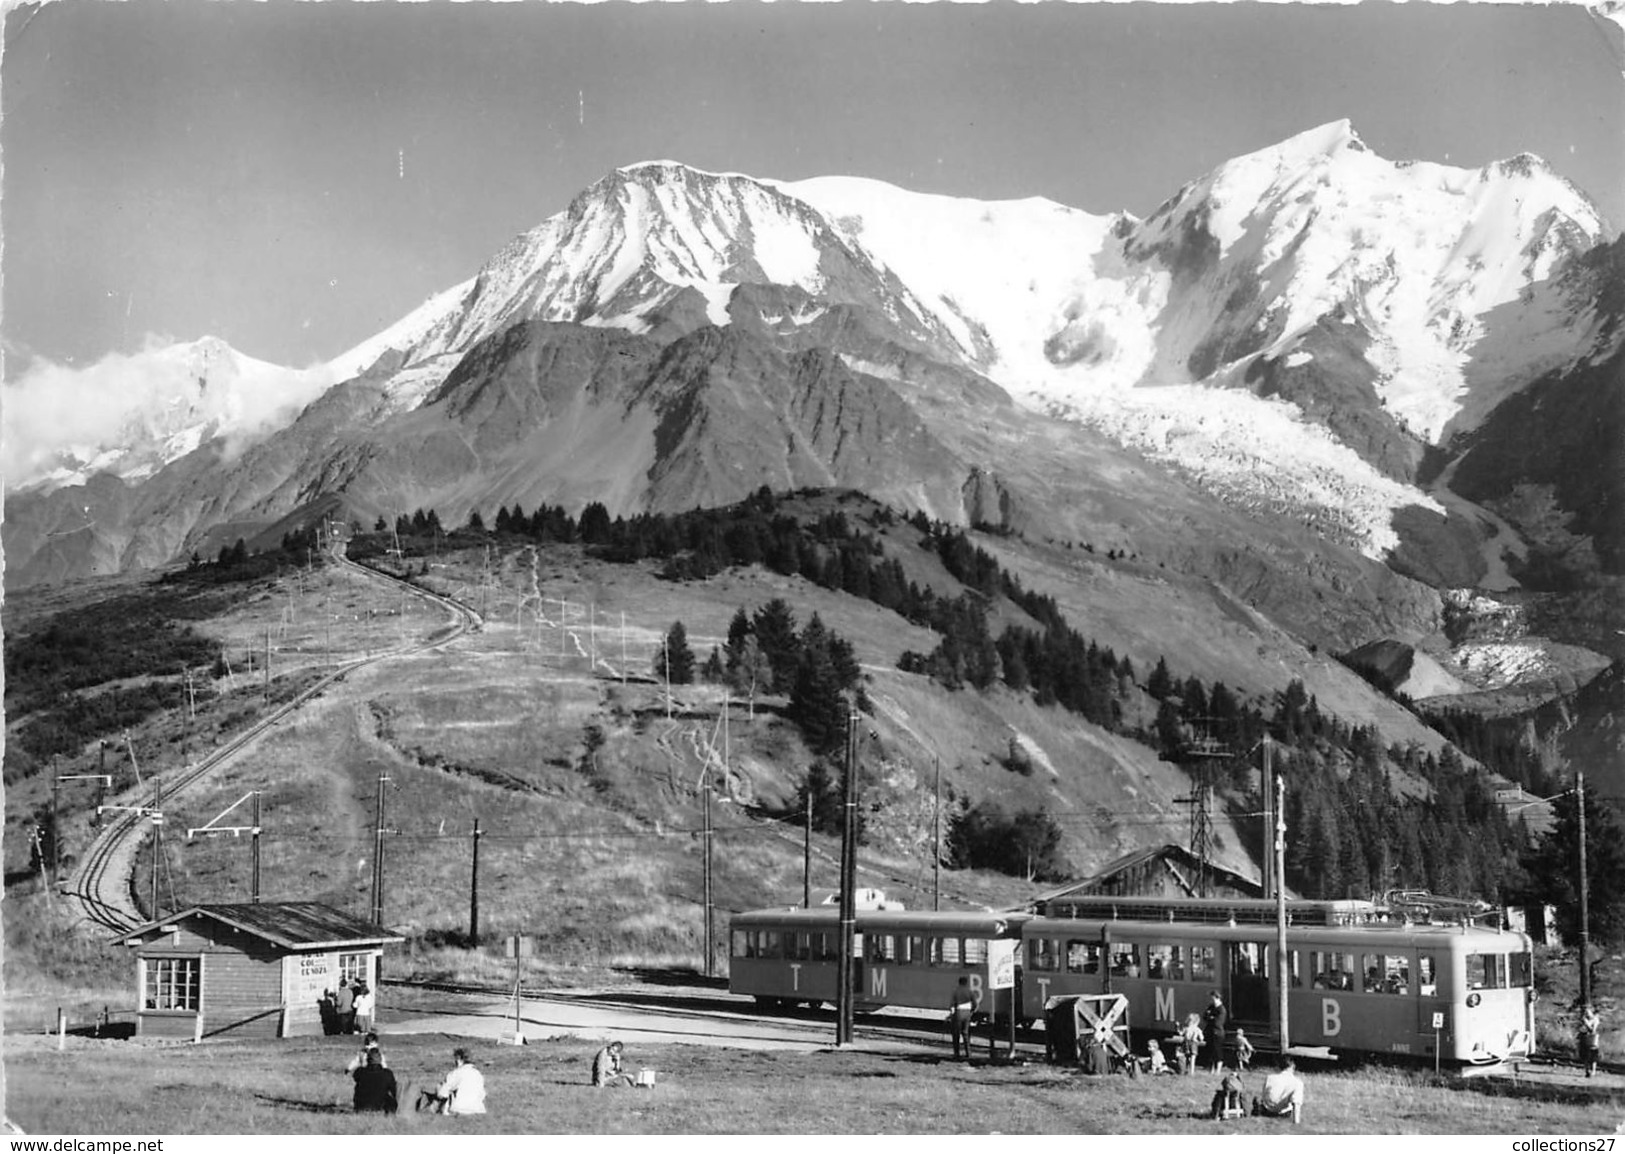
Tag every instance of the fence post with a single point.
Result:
(61, 1028)
(197, 1028)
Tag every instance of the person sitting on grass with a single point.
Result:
(463, 1091)
(375, 1088)
(1227, 1098)
(1156, 1063)
(369, 1046)
(606, 1067)
(1282, 1095)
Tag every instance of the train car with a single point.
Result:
(1462, 993)
(785, 958)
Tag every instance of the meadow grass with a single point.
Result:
(297, 1086)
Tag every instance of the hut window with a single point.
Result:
(352, 968)
(172, 983)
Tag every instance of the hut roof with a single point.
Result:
(292, 925)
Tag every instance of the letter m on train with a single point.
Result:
(1165, 1005)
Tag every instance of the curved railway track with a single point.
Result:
(102, 884)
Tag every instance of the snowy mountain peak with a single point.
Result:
(132, 414)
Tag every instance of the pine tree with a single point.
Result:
(1554, 872)
(675, 660)
(775, 628)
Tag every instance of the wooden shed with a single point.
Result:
(257, 970)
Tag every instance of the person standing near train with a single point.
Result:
(960, 1009)
(1214, 1020)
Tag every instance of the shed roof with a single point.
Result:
(1167, 852)
(292, 925)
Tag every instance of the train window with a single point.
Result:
(1295, 961)
(951, 952)
(741, 939)
(1485, 971)
(1082, 957)
(1165, 962)
(1396, 974)
(1427, 975)
(1520, 972)
(975, 951)
(803, 947)
(1125, 959)
(1201, 963)
(1046, 954)
(882, 948)
(1332, 970)
(916, 953)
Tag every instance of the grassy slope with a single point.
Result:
(586, 791)
(298, 1087)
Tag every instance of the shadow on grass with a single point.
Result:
(674, 976)
(307, 1107)
(1565, 1095)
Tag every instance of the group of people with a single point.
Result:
(1281, 1096)
(462, 1091)
(349, 1010)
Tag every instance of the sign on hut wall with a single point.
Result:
(313, 974)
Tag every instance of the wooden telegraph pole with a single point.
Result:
(710, 950)
(378, 856)
(1282, 977)
(936, 839)
(474, 891)
(1585, 893)
(254, 854)
(849, 871)
(806, 857)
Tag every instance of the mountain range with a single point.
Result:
(1330, 384)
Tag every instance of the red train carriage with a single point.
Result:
(1363, 987)
(785, 958)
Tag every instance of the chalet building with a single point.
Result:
(1164, 871)
(249, 970)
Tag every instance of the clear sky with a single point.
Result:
(293, 177)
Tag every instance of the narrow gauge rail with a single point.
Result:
(786, 958)
(1361, 980)
(101, 885)
(878, 1024)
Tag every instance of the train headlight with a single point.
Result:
(1473, 999)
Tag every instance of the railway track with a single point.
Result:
(731, 1010)
(102, 882)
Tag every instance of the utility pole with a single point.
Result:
(936, 838)
(806, 858)
(710, 952)
(378, 857)
(157, 842)
(56, 824)
(623, 647)
(1585, 893)
(474, 891)
(254, 854)
(267, 663)
(849, 870)
(1282, 977)
(1268, 793)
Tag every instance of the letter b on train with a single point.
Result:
(1331, 1018)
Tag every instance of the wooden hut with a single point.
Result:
(257, 970)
